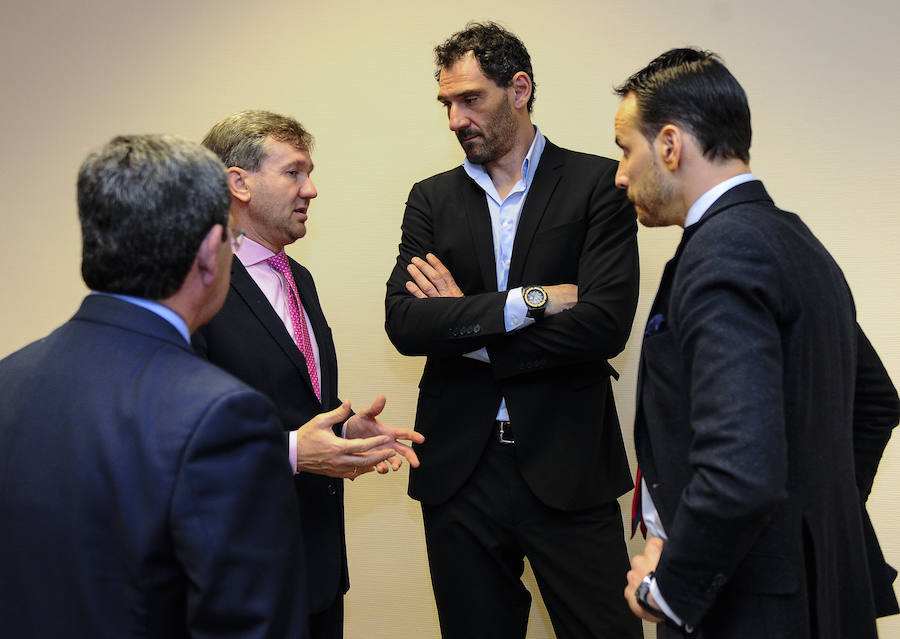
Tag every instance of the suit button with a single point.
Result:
(477, 328)
(331, 489)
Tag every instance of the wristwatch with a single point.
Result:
(643, 591)
(536, 300)
(641, 594)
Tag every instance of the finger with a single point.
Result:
(382, 468)
(332, 417)
(415, 290)
(408, 453)
(425, 285)
(363, 445)
(427, 269)
(438, 266)
(371, 459)
(376, 407)
(409, 435)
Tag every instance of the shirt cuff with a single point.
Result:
(662, 605)
(514, 313)
(292, 450)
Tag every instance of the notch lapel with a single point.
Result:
(479, 219)
(546, 178)
(253, 297)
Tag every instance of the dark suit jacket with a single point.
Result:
(762, 415)
(248, 339)
(143, 492)
(575, 227)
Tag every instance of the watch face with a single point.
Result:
(535, 297)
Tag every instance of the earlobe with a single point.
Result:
(237, 183)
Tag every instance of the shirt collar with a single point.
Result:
(529, 166)
(251, 252)
(164, 312)
(701, 206)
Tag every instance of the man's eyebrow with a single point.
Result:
(444, 98)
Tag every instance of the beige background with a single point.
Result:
(823, 87)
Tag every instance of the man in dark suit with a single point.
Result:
(272, 334)
(762, 409)
(143, 492)
(518, 278)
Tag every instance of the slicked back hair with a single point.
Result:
(146, 202)
(239, 139)
(500, 54)
(693, 89)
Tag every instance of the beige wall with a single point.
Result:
(822, 82)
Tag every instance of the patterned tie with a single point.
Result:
(301, 333)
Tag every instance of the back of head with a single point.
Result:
(693, 89)
(500, 53)
(145, 203)
(239, 139)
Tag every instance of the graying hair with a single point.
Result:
(145, 203)
(238, 139)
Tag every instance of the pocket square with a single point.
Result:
(654, 325)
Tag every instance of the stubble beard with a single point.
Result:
(496, 139)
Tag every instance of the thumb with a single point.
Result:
(336, 416)
(377, 406)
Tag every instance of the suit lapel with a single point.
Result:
(248, 291)
(479, 219)
(547, 176)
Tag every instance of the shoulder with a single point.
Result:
(577, 161)
(445, 180)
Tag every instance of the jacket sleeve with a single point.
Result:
(436, 326)
(235, 524)
(598, 325)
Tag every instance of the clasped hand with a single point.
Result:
(370, 444)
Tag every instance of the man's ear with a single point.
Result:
(521, 86)
(670, 145)
(237, 182)
(208, 253)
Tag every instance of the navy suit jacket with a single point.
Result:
(143, 492)
(248, 339)
(575, 227)
(762, 414)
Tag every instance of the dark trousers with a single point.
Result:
(329, 623)
(476, 544)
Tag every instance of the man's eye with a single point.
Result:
(292, 173)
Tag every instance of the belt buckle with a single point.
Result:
(504, 430)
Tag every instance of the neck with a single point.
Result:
(507, 170)
(706, 175)
(242, 220)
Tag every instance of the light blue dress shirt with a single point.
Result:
(505, 213)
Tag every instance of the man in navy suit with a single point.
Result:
(272, 334)
(517, 277)
(762, 409)
(143, 491)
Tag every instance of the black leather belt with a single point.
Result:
(505, 432)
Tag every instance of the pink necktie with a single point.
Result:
(301, 333)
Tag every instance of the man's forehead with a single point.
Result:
(286, 153)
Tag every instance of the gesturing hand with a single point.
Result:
(367, 424)
(431, 278)
(322, 452)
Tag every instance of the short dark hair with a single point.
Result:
(145, 203)
(500, 54)
(694, 89)
(238, 140)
